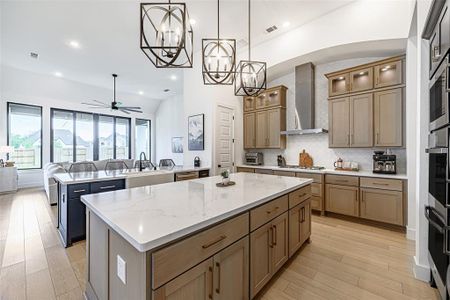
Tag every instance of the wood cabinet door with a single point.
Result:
(249, 104)
(361, 120)
(339, 122)
(231, 272)
(388, 74)
(280, 238)
(260, 258)
(249, 131)
(261, 129)
(382, 205)
(195, 284)
(388, 118)
(342, 199)
(338, 84)
(305, 221)
(260, 101)
(361, 80)
(294, 229)
(273, 126)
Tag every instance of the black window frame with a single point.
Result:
(8, 127)
(149, 136)
(95, 119)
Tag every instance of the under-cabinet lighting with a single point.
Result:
(362, 73)
(341, 78)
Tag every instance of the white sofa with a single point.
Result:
(50, 169)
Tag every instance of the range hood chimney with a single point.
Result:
(304, 102)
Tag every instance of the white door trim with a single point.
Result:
(233, 150)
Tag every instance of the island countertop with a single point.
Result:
(151, 216)
(82, 177)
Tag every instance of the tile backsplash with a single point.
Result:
(317, 145)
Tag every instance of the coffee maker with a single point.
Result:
(384, 163)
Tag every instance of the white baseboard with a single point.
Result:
(411, 233)
(421, 272)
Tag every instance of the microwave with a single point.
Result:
(254, 158)
(439, 97)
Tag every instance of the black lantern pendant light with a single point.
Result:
(218, 58)
(166, 34)
(250, 75)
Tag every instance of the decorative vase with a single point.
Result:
(225, 180)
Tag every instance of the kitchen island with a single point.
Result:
(194, 240)
(71, 186)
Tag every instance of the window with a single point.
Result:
(25, 135)
(143, 137)
(105, 137)
(79, 136)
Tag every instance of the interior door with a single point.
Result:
(224, 139)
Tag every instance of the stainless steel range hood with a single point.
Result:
(304, 102)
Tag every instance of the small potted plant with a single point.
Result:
(225, 177)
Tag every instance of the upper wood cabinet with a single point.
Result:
(249, 104)
(339, 122)
(339, 84)
(361, 80)
(361, 120)
(388, 118)
(249, 130)
(388, 74)
(265, 118)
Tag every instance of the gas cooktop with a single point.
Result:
(303, 168)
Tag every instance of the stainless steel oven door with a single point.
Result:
(439, 97)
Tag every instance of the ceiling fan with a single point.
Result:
(114, 104)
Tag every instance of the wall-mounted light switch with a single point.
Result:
(122, 269)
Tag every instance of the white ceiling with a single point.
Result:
(108, 32)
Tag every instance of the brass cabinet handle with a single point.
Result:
(210, 296)
(219, 239)
(218, 278)
(274, 235)
(302, 195)
(378, 183)
(270, 237)
(273, 210)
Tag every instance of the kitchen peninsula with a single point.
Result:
(194, 240)
(71, 186)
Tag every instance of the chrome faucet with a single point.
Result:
(140, 161)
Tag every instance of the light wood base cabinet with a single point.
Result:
(299, 226)
(382, 205)
(342, 199)
(269, 252)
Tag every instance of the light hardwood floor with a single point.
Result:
(344, 261)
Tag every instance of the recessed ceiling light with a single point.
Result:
(286, 24)
(192, 21)
(173, 77)
(58, 74)
(74, 44)
(141, 93)
(166, 90)
(341, 78)
(34, 55)
(362, 73)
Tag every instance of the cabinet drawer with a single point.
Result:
(267, 212)
(316, 203)
(300, 195)
(382, 183)
(264, 171)
(249, 104)
(246, 170)
(273, 98)
(76, 190)
(284, 173)
(106, 186)
(260, 101)
(316, 189)
(315, 177)
(173, 260)
(342, 180)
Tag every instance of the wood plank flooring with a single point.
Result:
(345, 260)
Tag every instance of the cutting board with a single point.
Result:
(305, 160)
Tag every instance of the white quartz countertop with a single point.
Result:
(329, 171)
(151, 216)
(82, 177)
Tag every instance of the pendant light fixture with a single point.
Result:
(166, 34)
(250, 75)
(218, 58)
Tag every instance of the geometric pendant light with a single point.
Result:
(251, 76)
(166, 35)
(218, 58)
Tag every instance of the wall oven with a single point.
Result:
(437, 209)
(439, 97)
